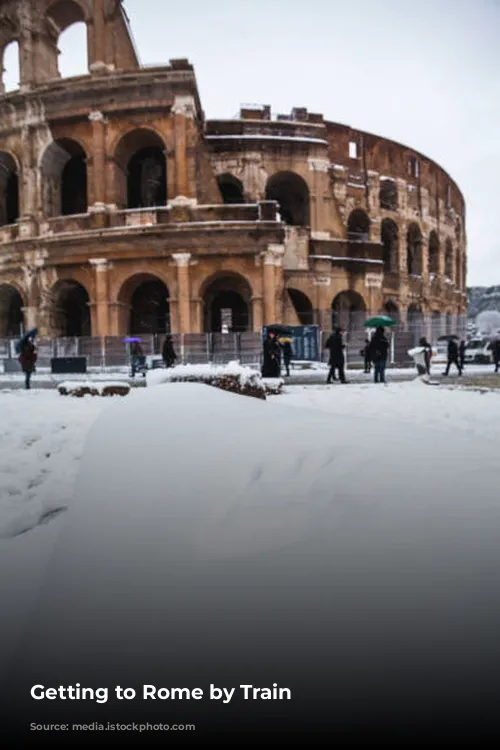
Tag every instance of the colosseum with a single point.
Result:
(124, 211)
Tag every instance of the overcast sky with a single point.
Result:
(424, 73)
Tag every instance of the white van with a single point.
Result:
(478, 352)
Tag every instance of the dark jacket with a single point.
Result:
(336, 347)
(271, 365)
(168, 354)
(379, 347)
(287, 351)
(27, 357)
(452, 350)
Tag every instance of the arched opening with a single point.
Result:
(302, 306)
(436, 325)
(448, 260)
(390, 240)
(415, 320)
(68, 22)
(11, 71)
(142, 170)
(11, 312)
(230, 188)
(388, 195)
(392, 310)
(64, 171)
(348, 311)
(458, 269)
(148, 302)
(227, 305)
(414, 250)
(358, 226)
(71, 309)
(292, 194)
(433, 253)
(9, 190)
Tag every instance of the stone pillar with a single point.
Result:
(97, 46)
(30, 317)
(183, 110)
(183, 292)
(98, 186)
(101, 318)
(270, 259)
(257, 318)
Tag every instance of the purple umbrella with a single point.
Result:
(132, 340)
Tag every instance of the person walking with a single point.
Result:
(337, 358)
(168, 354)
(27, 360)
(461, 354)
(136, 358)
(495, 349)
(365, 353)
(379, 351)
(427, 354)
(452, 357)
(286, 345)
(271, 365)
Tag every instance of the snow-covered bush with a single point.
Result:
(93, 389)
(232, 377)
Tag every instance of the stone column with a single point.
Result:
(101, 266)
(257, 319)
(270, 258)
(183, 292)
(98, 160)
(183, 110)
(97, 47)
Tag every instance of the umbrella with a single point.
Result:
(278, 328)
(132, 340)
(29, 334)
(379, 321)
(448, 337)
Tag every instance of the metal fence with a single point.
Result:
(219, 348)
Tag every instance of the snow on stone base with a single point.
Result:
(232, 377)
(89, 388)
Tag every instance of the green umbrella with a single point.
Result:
(379, 321)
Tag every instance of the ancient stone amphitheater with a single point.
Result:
(124, 211)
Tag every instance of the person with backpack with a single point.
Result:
(27, 360)
(379, 351)
(337, 359)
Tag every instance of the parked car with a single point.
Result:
(439, 352)
(478, 352)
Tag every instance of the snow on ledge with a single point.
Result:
(245, 375)
(70, 386)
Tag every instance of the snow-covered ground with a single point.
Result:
(195, 509)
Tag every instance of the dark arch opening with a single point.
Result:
(433, 253)
(150, 308)
(390, 241)
(414, 250)
(64, 170)
(140, 156)
(72, 309)
(388, 195)
(302, 306)
(292, 195)
(358, 226)
(9, 190)
(448, 260)
(227, 305)
(230, 188)
(348, 310)
(11, 311)
(392, 310)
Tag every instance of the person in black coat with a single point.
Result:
(495, 349)
(452, 357)
(168, 354)
(379, 351)
(286, 345)
(271, 366)
(427, 354)
(365, 353)
(27, 360)
(337, 359)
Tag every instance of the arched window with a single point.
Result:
(390, 240)
(11, 71)
(290, 191)
(433, 253)
(358, 226)
(388, 195)
(414, 250)
(231, 189)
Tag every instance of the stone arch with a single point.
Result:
(392, 309)
(141, 173)
(433, 252)
(358, 226)
(389, 235)
(414, 250)
(302, 306)
(9, 189)
(448, 259)
(231, 188)
(436, 325)
(458, 269)
(291, 192)
(10, 66)
(70, 313)
(348, 310)
(63, 167)
(415, 320)
(145, 305)
(11, 310)
(227, 304)
(388, 195)
(65, 18)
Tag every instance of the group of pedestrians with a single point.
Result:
(376, 351)
(138, 360)
(276, 349)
